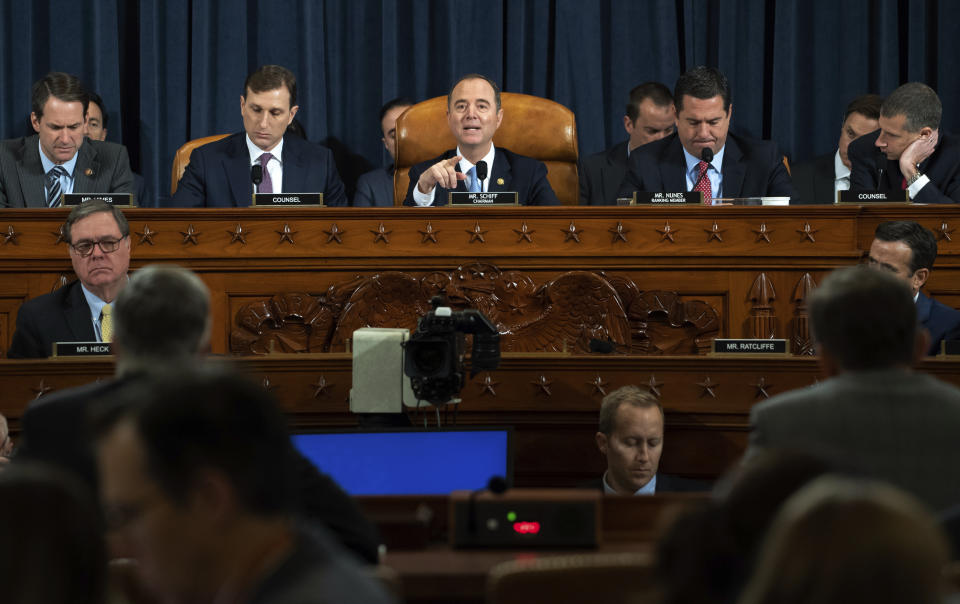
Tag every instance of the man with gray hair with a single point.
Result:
(909, 151)
(896, 423)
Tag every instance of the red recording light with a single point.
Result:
(526, 528)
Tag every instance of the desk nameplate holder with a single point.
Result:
(81, 349)
(121, 200)
(738, 347)
(461, 199)
(862, 198)
(286, 200)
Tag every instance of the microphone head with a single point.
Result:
(706, 154)
(481, 170)
(256, 174)
(497, 485)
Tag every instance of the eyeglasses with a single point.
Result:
(107, 246)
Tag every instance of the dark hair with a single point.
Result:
(865, 318)
(192, 418)
(297, 129)
(397, 102)
(53, 541)
(867, 105)
(655, 91)
(918, 102)
(476, 76)
(61, 85)
(95, 98)
(626, 395)
(271, 77)
(702, 83)
(919, 239)
(92, 207)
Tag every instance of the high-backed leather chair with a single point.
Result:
(532, 126)
(181, 158)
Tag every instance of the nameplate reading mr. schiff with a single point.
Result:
(648, 198)
(117, 199)
(493, 198)
(81, 349)
(287, 199)
(750, 346)
(867, 197)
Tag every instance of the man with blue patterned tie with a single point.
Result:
(36, 170)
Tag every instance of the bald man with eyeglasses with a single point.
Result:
(99, 242)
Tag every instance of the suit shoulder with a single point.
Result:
(516, 159)
(863, 146)
(55, 299)
(668, 483)
(219, 146)
(10, 145)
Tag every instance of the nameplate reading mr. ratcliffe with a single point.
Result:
(646, 198)
(81, 349)
(493, 198)
(750, 346)
(117, 199)
(287, 199)
(865, 197)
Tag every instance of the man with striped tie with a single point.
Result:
(36, 170)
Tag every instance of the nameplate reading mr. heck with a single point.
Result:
(117, 199)
(81, 349)
(669, 199)
(749, 346)
(864, 197)
(492, 198)
(287, 199)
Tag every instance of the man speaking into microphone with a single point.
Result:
(474, 114)
(703, 155)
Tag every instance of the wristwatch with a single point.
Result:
(916, 175)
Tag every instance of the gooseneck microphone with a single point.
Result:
(706, 155)
(481, 172)
(256, 176)
(880, 162)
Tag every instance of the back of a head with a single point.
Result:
(162, 316)
(839, 541)
(918, 102)
(864, 318)
(702, 83)
(917, 237)
(53, 550)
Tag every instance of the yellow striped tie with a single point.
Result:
(106, 323)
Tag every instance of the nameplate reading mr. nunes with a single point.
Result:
(492, 198)
(750, 346)
(866, 197)
(647, 198)
(81, 349)
(287, 199)
(117, 199)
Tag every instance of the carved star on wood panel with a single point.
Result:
(61, 234)
(599, 386)
(654, 386)
(41, 389)
(667, 232)
(428, 234)
(191, 235)
(335, 233)
(267, 385)
(944, 232)
(619, 232)
(761, 387)
(763, 233)
(543, 385)
(708, 387)
(476, 234)
(524, 232)
(488, 385)
(321, 386)
(381, 234)
(11, 236)
(715, 232)
(571, 232)
(808, 231)
(286, 234)
(238, 234)
(146, 235)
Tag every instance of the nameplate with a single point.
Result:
(647, 198)
(866, 197)
(117, 199)
(287, 199)
(950, 347)
(81, 349)
(750, 346)
(492, 198)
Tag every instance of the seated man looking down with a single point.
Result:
(375, 188)
(474, 114)
(219, 172)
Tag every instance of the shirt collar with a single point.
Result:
(96, 304)
(693, 161)
(48, 164)
(256, 152)
(839, 169)
(648, 489)
(465, 165)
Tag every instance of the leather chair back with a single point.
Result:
(181, 158)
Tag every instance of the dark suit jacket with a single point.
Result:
(666, 483)
(814, 180)
(525, 175)
(218, 175)
(60, 316)
(375, 189)
(942, 168)
(941, 321)
(22, 177)
(601, 175)
(751, 168)
(143, 198)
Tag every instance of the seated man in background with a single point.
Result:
(650, 116)
(630, 436)
(36, 170)
(474, 114)
(703, 155)
(909, 151)
(375, 188)
(99, 240)
(908, 250)
(820, 179)
(97, 119)
(6, 443)
(219, 172)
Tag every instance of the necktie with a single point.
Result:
(703, 183)
(106, 323)
(266, 186)
(474, 181)
(53, 185)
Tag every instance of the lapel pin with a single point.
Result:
(499, 181)
(88, 171)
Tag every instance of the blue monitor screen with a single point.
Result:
(410, 462)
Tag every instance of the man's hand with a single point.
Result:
(916, 152)
(442, 173)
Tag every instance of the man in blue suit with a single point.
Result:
(908, 250)
(219, 172)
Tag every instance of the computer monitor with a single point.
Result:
(410, 461)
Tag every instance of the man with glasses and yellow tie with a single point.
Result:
(99, 239)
